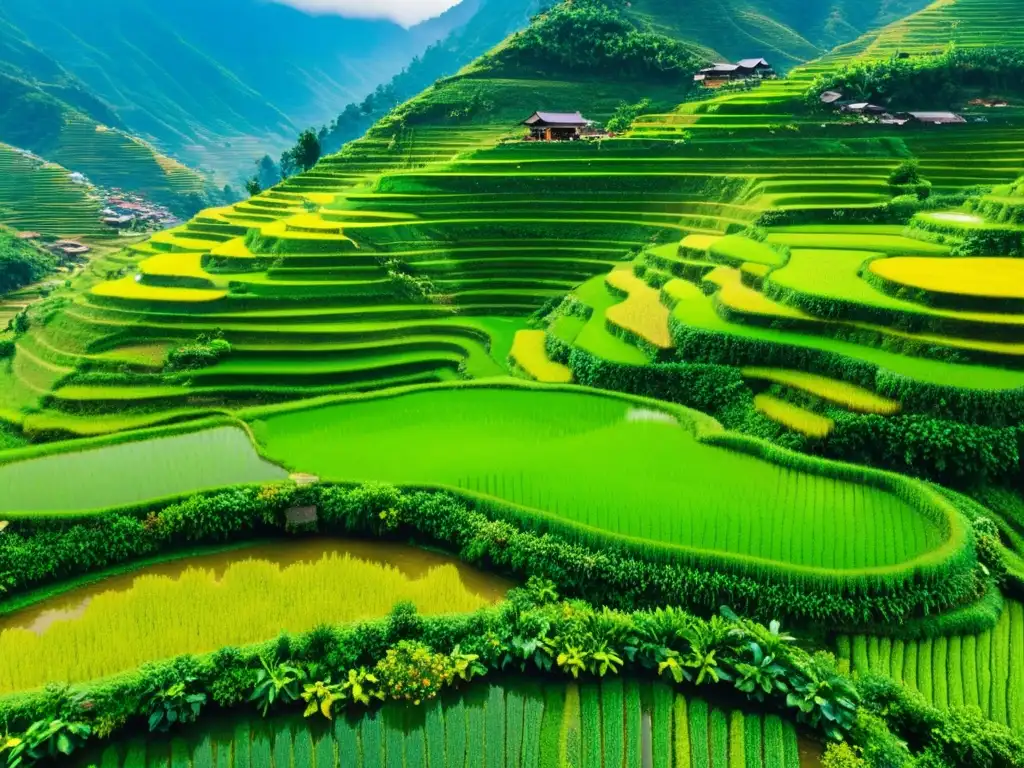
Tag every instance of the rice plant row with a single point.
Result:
(985, 670)
(598, 461)
(611, 724)
(199, 612)
(131, 472)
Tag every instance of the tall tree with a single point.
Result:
(306, 152)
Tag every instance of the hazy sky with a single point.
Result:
(406, 12)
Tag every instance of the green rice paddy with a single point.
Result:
(242, 598)
(125, 473)
(984, 670)
(605, 463)
(518, 724)
(356, 295)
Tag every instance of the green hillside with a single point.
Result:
(172, 79)
(46, 110)
(39, 196)
(749, 354)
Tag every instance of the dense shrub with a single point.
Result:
(939, 449)
(960, 736)
(906, 179)
(205, 351)
(922, 446)
(7, 348)
(21, 262)
(625, 115)
(938, 81)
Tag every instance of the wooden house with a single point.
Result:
(723, 72)
(755, 68)
(863, 108)
(556, 126)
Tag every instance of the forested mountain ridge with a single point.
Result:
(172, 76)
(786, 31)
(572, 53)
(491, 22)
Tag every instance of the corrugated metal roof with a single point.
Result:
(751, 63)
(937, 117)
(557, 118)
(721, 68)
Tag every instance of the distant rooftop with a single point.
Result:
(937, 117)
(557, 118)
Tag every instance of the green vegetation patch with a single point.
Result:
(127, 472)
(607, 464)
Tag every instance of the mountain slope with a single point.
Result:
(786, 31)
(194, 76)
(490, 23)
(510, 80)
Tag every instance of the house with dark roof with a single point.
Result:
(556, 126)
(758, 67)
(863, 108)
(744, 69)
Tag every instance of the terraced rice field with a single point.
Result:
(818, 300)
(40, 196)
(605, 463)
(202, 609)
(984, 671)
(529, 354)
(118, 474)
(793, 416)
(981, 277)
(838, 392)
(522, 724)
(359, 297)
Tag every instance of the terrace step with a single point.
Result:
(529, 355)
(841, 393)
(807, 423)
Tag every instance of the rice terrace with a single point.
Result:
(604, 385)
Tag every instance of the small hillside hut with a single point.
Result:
(717, 73)
(863, 108)
(556, 126)
(755, 68)
(934, 118)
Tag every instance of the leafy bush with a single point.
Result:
(906, 179)
(625, 115)
(412, 672)
(174, 704)
(257, 243)
(842, 755)
(205, 351)
(7, 348)
(21, 322)
(21, 262)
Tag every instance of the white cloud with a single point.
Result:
(405, 12)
